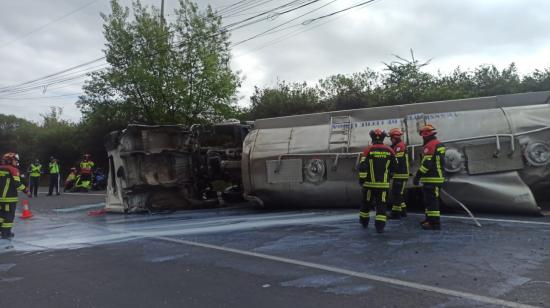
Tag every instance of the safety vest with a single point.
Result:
(36, 170)
(54, 168)
(402, 158)
(86, 166)
(377, 162)
(432, 164)
(10, 183)
(71, 177)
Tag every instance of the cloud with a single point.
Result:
(454, 33)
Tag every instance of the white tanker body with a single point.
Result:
(498, 152)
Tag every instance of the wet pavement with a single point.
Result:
(245, 257)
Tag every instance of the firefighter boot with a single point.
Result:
(364, 219)
(7, 234)
(432, 223)
(380, 223)
(403, 209)
(396, 212)
(428, 225)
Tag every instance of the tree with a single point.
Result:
(404, 82)
(285, 99)
(490, 81)
(357, 90)
(162, 73)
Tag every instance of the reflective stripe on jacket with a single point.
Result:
(10, 183)
(86, 166)
(36, 170)
(54, 168)
(376, 166)
(433, 161)
(402, 158)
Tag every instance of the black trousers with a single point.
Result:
(54, 183)
(374, 198)
(33, 185)
(7, 214)
(397, 191)
(430, 194)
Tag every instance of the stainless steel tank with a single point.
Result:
(498, 152)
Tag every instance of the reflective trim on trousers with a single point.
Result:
(376, 185)
(381, 218)
(432, 180)
(433, 213)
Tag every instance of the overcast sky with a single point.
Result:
(38, 38)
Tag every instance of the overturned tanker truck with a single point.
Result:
(498, 157)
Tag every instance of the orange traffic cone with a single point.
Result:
(26, 211)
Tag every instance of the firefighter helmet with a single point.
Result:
(10, 157)
(427, 130)
(73, 169)
(87, 155)
(395, 132)
(377, 135)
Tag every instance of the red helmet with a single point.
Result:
(377, 134)
(396, 132)
(427, 130)
(8, 158)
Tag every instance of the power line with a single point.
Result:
(69, 74)
(337, 12)
(266, 32)
(291, 34)
(3, 89)
(39, 97)
(42, 27)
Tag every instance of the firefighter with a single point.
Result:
(71, 180)
(86, 166)
(35, 169)
(401, 175)
(54, 176)
(431, 175)
(10, 184)
(376, 164)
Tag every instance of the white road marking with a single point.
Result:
(80, 208)
(76, 194)
(392, 281)
(492, 219)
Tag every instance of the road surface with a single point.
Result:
(246, 257)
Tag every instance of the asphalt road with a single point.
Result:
(245, 257)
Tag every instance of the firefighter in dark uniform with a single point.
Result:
(432, 176)
(10, 184)
(401, 175)
(375, 168)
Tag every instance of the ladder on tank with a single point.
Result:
(339, 133)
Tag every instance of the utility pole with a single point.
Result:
(162, 12)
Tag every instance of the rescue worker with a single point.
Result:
(10, 184)
(431, 175)
(71, 179)
(35, 170)
(401, 175)
(54, 176)
(86, 166)
(375, 166)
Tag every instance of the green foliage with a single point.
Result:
(52, 137)
(285, 99)
(162, 73)
(401, 82)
